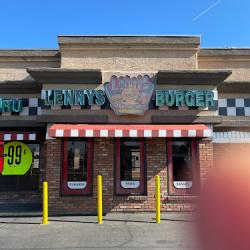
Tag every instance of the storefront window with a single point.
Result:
(10, 181)
(130, 166)
(182, 166)
(77, 167)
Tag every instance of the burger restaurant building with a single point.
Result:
(125, 107)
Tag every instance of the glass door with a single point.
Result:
(182, 163)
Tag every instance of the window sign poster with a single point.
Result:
(35, 150)
(77, 158)
(18, 158)
(36, 163)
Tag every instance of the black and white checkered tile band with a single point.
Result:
(234, 106)
(226, 107)
(31, 107)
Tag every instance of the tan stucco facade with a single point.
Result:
(238, 60)
(125, 55)
(83, 63)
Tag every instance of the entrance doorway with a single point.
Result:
(183, 166)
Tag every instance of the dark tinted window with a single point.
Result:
(130, 161)
(182, 161)
(77, 161)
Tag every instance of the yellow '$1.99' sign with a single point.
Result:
(18, 158)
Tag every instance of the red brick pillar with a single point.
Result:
(205, 158)
(103, 164)
(156, 153)
(53, 170)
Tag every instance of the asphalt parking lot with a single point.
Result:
(119, 231)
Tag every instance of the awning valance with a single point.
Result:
(127, 130)
(18, 136)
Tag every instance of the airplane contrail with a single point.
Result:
(206, 11)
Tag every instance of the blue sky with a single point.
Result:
(36, 23)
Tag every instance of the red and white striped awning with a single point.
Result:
(88, 130)
(18, 136)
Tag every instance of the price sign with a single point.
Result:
(18, 158)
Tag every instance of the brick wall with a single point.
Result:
(103, 163)
(206, 152)
(57, 202)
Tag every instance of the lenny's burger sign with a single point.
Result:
(129, 96)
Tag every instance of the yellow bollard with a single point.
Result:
(99, 198)
(157, 199)
(45, 203)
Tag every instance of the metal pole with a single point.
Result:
(99, 198)
(157, 199)
(45, 203)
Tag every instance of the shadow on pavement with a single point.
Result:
(104, 219)
(178, 220)
(121, 220)
(72, 221)
(20, 222)
(95, 222)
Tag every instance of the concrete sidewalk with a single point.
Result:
(119, 231)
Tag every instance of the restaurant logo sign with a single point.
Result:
(11, 105)
(129, 95)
